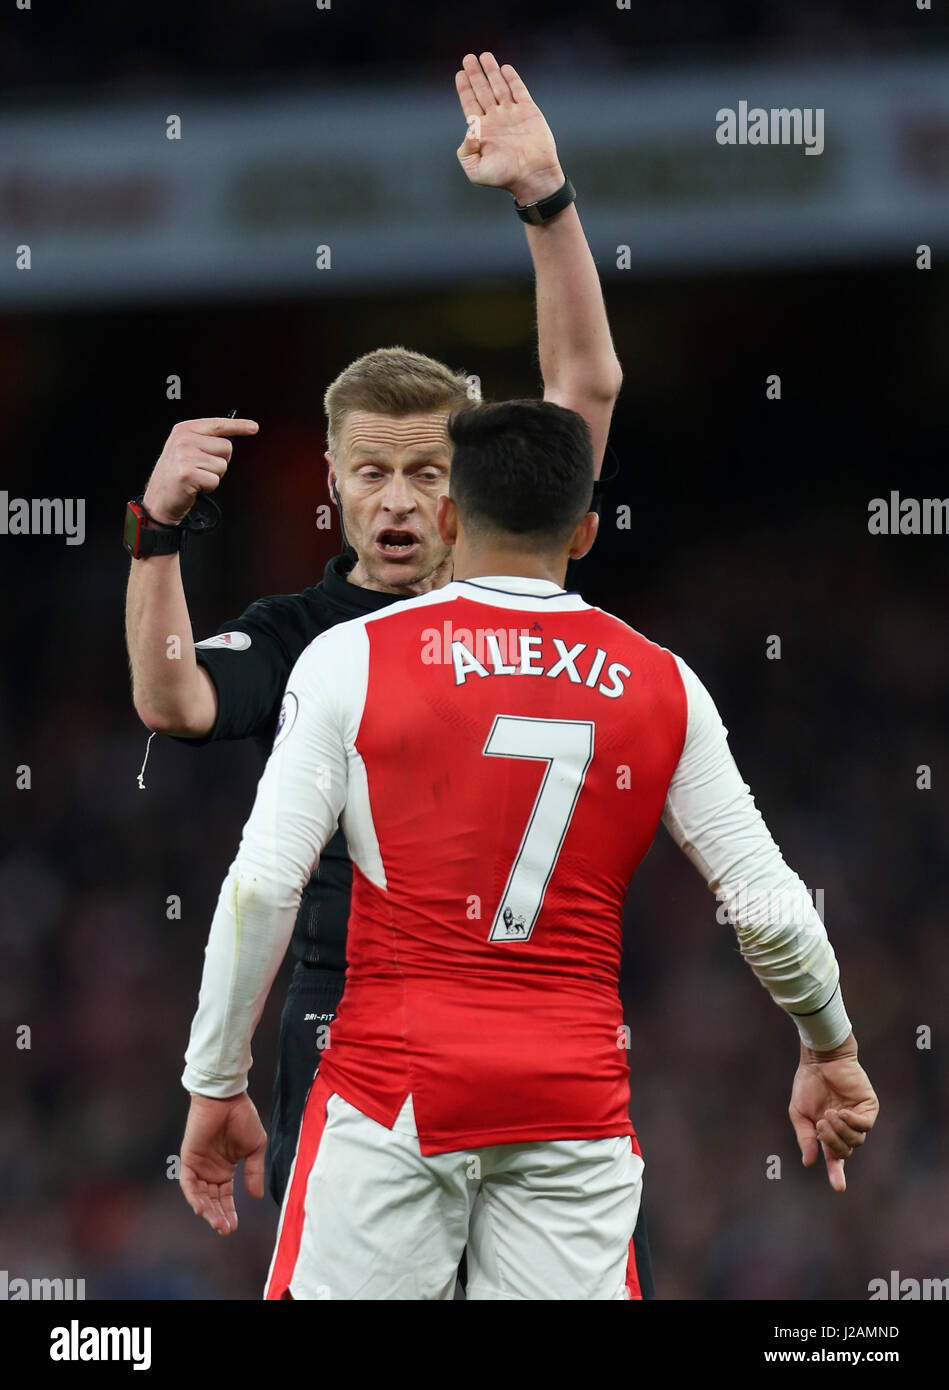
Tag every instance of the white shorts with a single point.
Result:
(366, 1216)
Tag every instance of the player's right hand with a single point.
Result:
(194, 459)
(220, 1133)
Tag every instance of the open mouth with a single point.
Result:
(396, 545)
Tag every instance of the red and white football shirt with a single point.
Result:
(501, 755)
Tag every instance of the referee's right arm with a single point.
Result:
(172, 693)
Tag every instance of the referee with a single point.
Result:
(388, 459)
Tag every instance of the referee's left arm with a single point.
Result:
(510, 145)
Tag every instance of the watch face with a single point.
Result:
(133, 522)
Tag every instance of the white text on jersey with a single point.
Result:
(534, 661)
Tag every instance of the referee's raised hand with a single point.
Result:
(220, 1133)
(194, 459)
(509, 144)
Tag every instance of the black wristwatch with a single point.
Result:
(546, 208)
(145, 536)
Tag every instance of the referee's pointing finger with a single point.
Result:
(219, 424)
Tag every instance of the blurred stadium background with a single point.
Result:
(150, 258)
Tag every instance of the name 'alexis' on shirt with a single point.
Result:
(536, 655)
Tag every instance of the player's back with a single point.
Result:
(510, 769)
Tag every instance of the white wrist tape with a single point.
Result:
(826, 1027)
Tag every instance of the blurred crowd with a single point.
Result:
(102, 50)
(745, 525)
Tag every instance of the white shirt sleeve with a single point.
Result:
(712, 816)
(299, 799)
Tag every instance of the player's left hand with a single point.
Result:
(220, 1133)
(509, 144)
(832, 1105)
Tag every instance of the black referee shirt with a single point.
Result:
(250, 681)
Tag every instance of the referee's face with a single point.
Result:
(390, 472)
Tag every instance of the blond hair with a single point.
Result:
(394, 381)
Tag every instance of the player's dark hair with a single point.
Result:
(521, 468)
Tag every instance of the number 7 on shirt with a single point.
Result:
(566, 746)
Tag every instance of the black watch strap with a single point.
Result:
(546, 208)
(145, 536)
(164, 542)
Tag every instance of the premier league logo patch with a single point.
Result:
(514, 927)
(286, 717)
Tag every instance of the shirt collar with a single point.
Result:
(353, 598)
(357, 600)
(515, 584)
